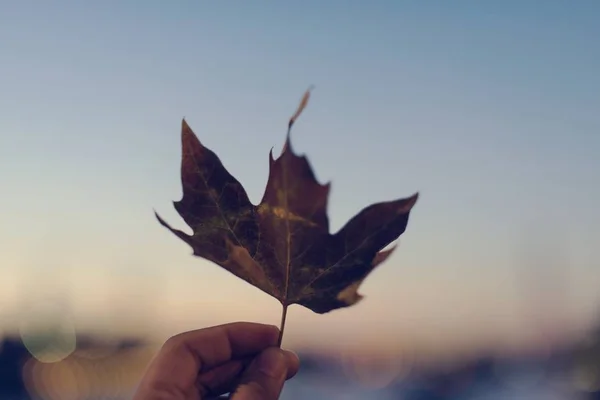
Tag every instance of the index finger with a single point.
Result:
(184, 356)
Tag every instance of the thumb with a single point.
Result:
(264, 377)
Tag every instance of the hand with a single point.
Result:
(239, 358)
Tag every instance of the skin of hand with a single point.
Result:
(240, 358)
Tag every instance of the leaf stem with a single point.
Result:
(282, 324)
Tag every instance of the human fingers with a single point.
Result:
(264, 377)
(226, 377)
(176, 366)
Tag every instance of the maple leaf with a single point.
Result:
(282, 245)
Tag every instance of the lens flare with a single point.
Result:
(48, 333)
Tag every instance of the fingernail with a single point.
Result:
(270, 362)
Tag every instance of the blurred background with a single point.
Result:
(489, 110)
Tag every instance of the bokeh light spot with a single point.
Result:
(48, 333)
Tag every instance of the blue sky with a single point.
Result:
(490, 111)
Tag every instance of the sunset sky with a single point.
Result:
(490, 111)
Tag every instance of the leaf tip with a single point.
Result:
(301, 107)
(185, 127)
(349, 295)
(383, 255)
(327, 186)
(409, 203)
(159, 218)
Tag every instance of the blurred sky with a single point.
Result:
(490, 111)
